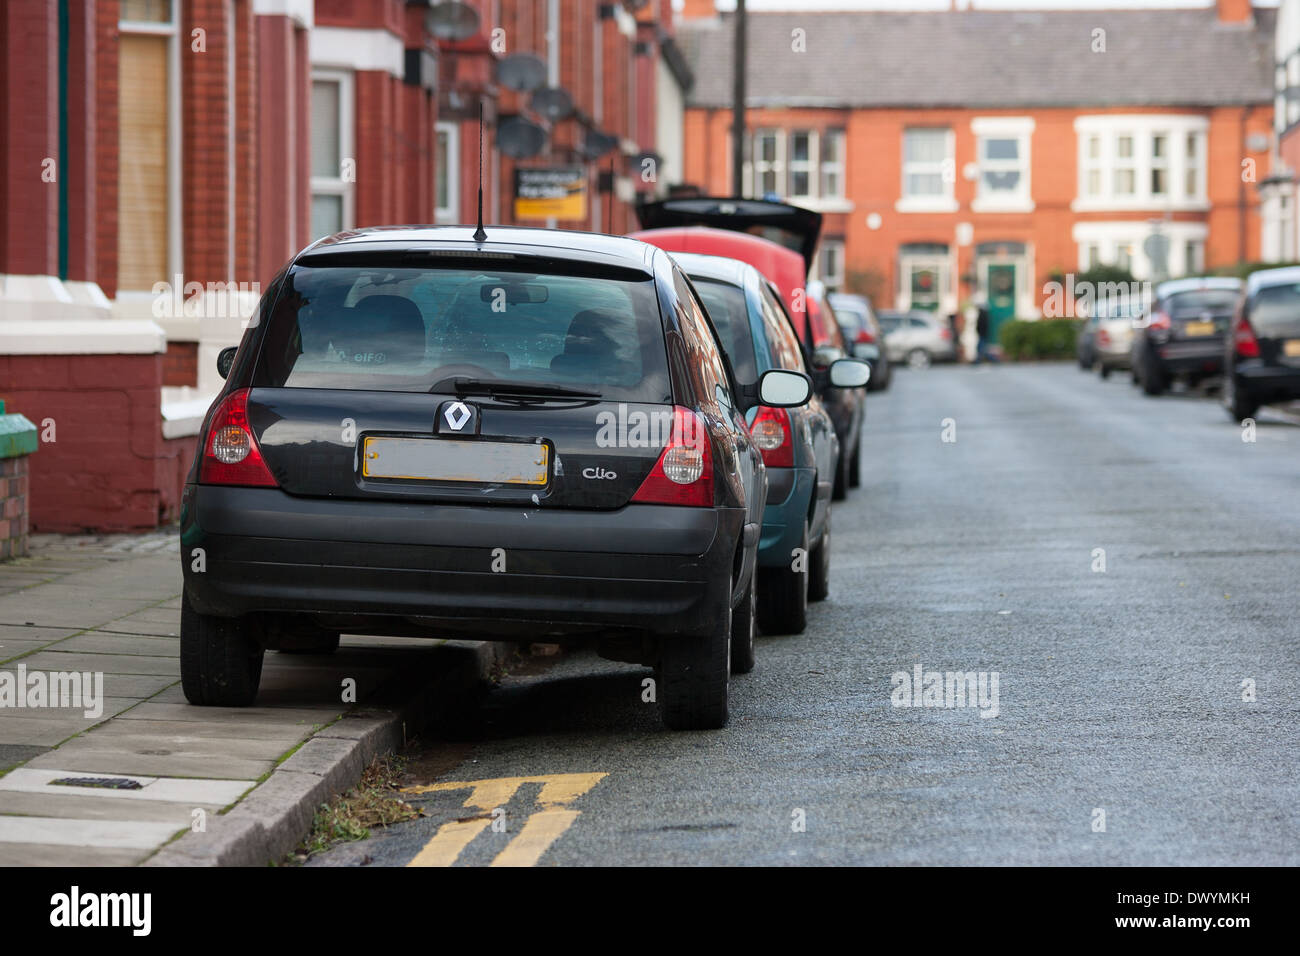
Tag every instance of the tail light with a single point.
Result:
(1243, 339)
(1159, 320)
(771, 433)
(865, 337)
(683, 475)
(945, 333)
(230, 452)
(1103, 337)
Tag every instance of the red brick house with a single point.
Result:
(162, 159)
(963, 152)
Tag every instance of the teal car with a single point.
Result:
(799, 445)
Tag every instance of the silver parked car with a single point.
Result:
(917, 338)
(1112, 329)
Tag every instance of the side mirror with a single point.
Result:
(780, 388)
(225, 359)
(850, 373)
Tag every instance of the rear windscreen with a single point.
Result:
(1191, 305)
(412, 329)
(1276, 308)
(726, 306)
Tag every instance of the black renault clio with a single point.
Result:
(530, 436)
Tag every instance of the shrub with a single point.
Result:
(1043, 339)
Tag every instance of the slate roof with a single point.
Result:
(988, 59)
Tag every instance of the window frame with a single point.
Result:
(942, 201)
(1020, 129)
(335, 185)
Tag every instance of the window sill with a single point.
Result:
(838, 204)
(927, 204)
(989, 204)
(1127, 204)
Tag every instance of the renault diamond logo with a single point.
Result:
(456, 415)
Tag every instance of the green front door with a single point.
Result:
(1002, 296)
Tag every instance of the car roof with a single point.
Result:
(1175, 286)
(1266, 277)
(720, 268)
(784, 267)
(507, 240)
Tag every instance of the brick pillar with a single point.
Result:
(205, 121)
(105, 145)
(29, 114)
(375, 119)
(82, 142)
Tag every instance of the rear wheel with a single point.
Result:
(1239, 402)
(840, 490)
(783, 594)
(694, 673)
(1153, 379)
(221, 659)
(819, 566)
(918, 358)
(1103, 370)
(855, 466)
(744, 626)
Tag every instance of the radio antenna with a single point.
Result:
(479, 234)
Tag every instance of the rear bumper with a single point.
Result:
(400, 565)
(1197, 356)
(1268, 382)
(789, 493)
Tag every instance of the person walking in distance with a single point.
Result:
(983, 324)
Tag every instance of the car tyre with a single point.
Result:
(744, 628)
(783, 596)
(840, 489)
(1153, 380)
(1238, 402)
(855, 465)
(918, 358)
(694, 674)
(1103, 370)
(221, 659)
(819, 566)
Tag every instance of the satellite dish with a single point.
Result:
(521, 71)
(519, 138)
(552, 102)
(452, 20)
(596, 144)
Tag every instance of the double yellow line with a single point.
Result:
(540, 830)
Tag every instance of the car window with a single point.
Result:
(707, 367)
(890, 321)
(918, 323)
(729, 311)
(785, 350)
(1275, 305)
(1184, 305)
(409, 329)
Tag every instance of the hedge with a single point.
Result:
(1043, 339)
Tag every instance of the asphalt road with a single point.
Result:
(1118, 690)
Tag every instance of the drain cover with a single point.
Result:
(103, 783)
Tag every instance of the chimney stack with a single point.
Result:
(1235, 11)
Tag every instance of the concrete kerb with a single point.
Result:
(272, 820)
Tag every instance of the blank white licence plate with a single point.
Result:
(449, 459)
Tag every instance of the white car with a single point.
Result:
(917, 338)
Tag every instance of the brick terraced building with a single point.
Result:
(163, 158)
(977, 151)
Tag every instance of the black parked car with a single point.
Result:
(1182, 334)
(1262, 356)
(528, 436)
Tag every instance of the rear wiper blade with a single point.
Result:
(506, 389)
